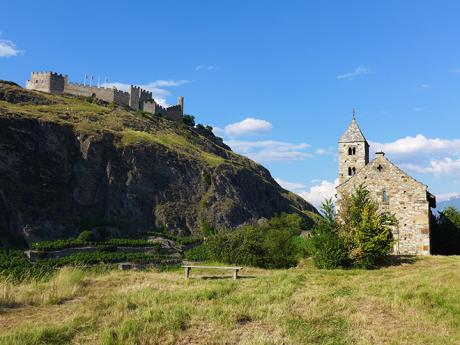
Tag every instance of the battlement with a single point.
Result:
(48, 73)
(137, 98)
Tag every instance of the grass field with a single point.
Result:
(410, 303)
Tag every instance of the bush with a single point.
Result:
(303, 246)
(254, 246)
(207, 230)
(445, 237)
(198, 253)
(366, 230)
(360, 237)
(189, 120)
(328, 247)
(86, 236)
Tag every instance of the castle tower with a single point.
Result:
(180, 102)
(49, 82)
(353, 151)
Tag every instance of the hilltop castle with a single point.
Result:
(394, 190)
(136, 98)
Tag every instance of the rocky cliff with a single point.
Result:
(67, 163)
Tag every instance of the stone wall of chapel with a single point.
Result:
(405, 198)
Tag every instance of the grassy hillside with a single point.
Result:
(410, 303)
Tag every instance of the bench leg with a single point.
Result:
(187, 272)
(235, 274)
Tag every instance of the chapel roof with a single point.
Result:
(352, 133)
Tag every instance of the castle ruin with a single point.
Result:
(394, 190)
(136, 98)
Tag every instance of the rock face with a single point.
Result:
(66, 164)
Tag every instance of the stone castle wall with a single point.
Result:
(137, 98)
(47, 82)
(401, 195)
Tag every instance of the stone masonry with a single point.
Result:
(136, 98)
(394, 191)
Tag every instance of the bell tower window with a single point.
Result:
(351, 151)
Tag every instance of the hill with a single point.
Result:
(410, 303)
(68, 163)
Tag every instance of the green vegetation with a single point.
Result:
(274, 244)
(411, 303)
(15, 267)
(79, 242)
(445, 236)
(171, 140)
(189, 120)
(360, 236)
(100, 257)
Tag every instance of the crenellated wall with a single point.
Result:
(137, 98)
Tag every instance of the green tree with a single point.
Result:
(360, 236)
(366, 230)
(328, 246)
(189, 120)
(445, 237)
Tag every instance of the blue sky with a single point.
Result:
(278, 79)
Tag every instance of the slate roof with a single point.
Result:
(352, 133)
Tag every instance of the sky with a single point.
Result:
(276, 79)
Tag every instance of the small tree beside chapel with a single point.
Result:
(359, 236)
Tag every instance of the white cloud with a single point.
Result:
(292, 186)
(425, 86)
(445, 166)
(318, 193)
(270, 150)
(360, 70)
(447, 196)
(157, 88)
(456, 70)
(8, 49)
(420, 145)
(328, 152)
(204, 67)
(417, 109)
(248, 127)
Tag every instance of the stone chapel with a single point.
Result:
(393, 189)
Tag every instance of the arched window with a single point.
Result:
(354, 151)
(353, 170)
(350, 151)
(385, 196)
(349, 171)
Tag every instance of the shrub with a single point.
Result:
(328, 247)
(189, 120)
(254, 246)
(289, 221)
(360, 237)
(445, 237)
(86, 236)
(303, 246)
(280, 250)
(207, 230)
(366, 230)
(198, 253)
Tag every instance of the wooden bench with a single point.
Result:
(189, 267)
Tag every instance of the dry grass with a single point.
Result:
(416, 303)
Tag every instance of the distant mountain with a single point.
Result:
(455, 202)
